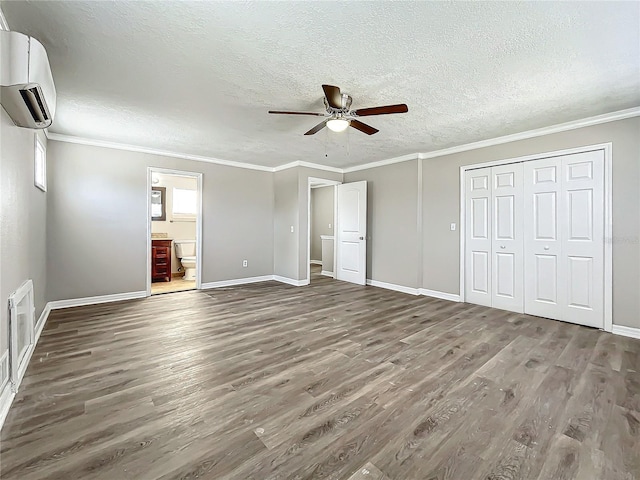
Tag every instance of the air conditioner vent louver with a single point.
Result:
(33, 99)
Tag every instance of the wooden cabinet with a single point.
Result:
(161, 260)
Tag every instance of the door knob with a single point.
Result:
(361, 238)
(502, 246)
(547, 247)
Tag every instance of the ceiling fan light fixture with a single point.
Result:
(338, 124)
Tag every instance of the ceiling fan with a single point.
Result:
(339, 116)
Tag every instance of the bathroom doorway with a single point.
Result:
(174, 231)
(321, 223)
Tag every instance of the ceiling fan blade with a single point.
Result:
(334, 97)
(317, 128)
(400, 108)
(297, 113)
(363, 127)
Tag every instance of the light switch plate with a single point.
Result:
(453, 227)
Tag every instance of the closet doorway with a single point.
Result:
(534, 233)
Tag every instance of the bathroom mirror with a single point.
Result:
(158, 204)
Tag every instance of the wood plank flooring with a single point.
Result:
(338, 381)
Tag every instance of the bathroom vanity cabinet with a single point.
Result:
(161, 260)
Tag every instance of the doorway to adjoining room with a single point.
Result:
(173, 234)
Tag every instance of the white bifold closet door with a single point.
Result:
(564, 238)
(535, 237)
(494, 244)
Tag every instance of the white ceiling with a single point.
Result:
(199, 77)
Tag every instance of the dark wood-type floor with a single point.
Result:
(334, 380)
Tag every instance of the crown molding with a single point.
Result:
(134, 148)
(539, 132)
(317, 166)
(382, 163)
(562, 127)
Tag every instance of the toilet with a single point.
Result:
(186, 252)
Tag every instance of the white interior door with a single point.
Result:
(564, 238)
(544, 295)
(507, 244)
(583, 237)
(478, 236)
(351, 233)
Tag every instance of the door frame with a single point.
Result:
(182, 173)
(607, 148)
(318, 183)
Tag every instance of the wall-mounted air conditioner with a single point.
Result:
(27, 91)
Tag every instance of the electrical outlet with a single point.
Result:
(329, 226)
(245, 263)
(291, 228)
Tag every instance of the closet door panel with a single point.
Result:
(507, 238)
(478, 236)
(583, 234)
(543, 292)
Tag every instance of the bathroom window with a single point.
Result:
(185, 202)
(40, 165)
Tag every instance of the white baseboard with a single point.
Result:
(414, 291)
(392, 286)
(326, 274)
(291, 281)
(44, 316)
(626, 331)
(236, 281)
(315, 262)
(452, 297)
(79, 302)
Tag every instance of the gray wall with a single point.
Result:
(393, 247)
(96, 220)
(321, 217)
(23, 230)
(285, 242)
(441, 206)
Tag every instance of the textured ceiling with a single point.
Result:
(199, 77)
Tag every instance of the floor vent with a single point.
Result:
(21, 331)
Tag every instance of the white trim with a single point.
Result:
(382, 163)
(626, 331)
(198, 176)
(317, 166)
(236, 281)
(320, 182)
(39, 146)
(80, 302)
(608, 235)
(393, 286)
(539, 132)
(452, 297)
(42, 320)
(3, 26)
(326, 273)
(608, 215)
(315, 262)
(154, 151)
(291, 281)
